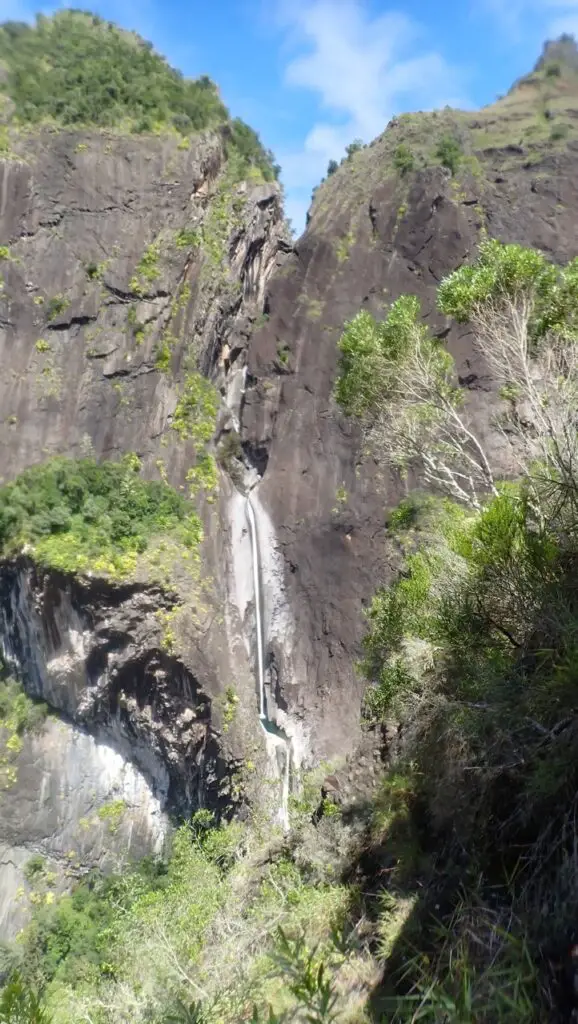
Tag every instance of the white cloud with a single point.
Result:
(566, 22)
(551, 17)
(361, 69)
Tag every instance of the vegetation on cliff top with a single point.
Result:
(80, 515)
(525, 127)
(74, 68)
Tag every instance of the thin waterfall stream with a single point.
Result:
(278, 744)
(258, 618)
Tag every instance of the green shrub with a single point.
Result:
(196, 411)
(188, 239)
(409, 512)
(559, 131)
(34, 868)
(56, 306)
(353, 148)
(18, 712)
(112, 814)
(283, 354)
(95, 271)
(380, 700)
(449, 153)
(147, 270)
(403, 159)
(80, 514)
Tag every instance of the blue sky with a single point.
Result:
(311, 75)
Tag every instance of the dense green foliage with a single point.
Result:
(76, 69)
(475, 645)
(81, 515)
(194, 939)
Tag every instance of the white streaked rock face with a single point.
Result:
(77, 802)
(133, 729)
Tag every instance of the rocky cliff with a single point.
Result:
(376, 231)
(129, 263)
(109, 304)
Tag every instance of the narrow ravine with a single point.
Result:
(277, 742)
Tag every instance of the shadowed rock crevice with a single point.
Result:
(93, 651)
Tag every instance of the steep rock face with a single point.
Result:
(138, 737)
(126, 263)
(95, 652)
(374, 234)
(79, 214)
(77, 803)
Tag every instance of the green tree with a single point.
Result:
(402, 381)
(449, 153)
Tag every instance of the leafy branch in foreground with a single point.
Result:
(20, 1005)
(306, 978)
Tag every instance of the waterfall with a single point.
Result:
(250, 511)
(278, 745)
